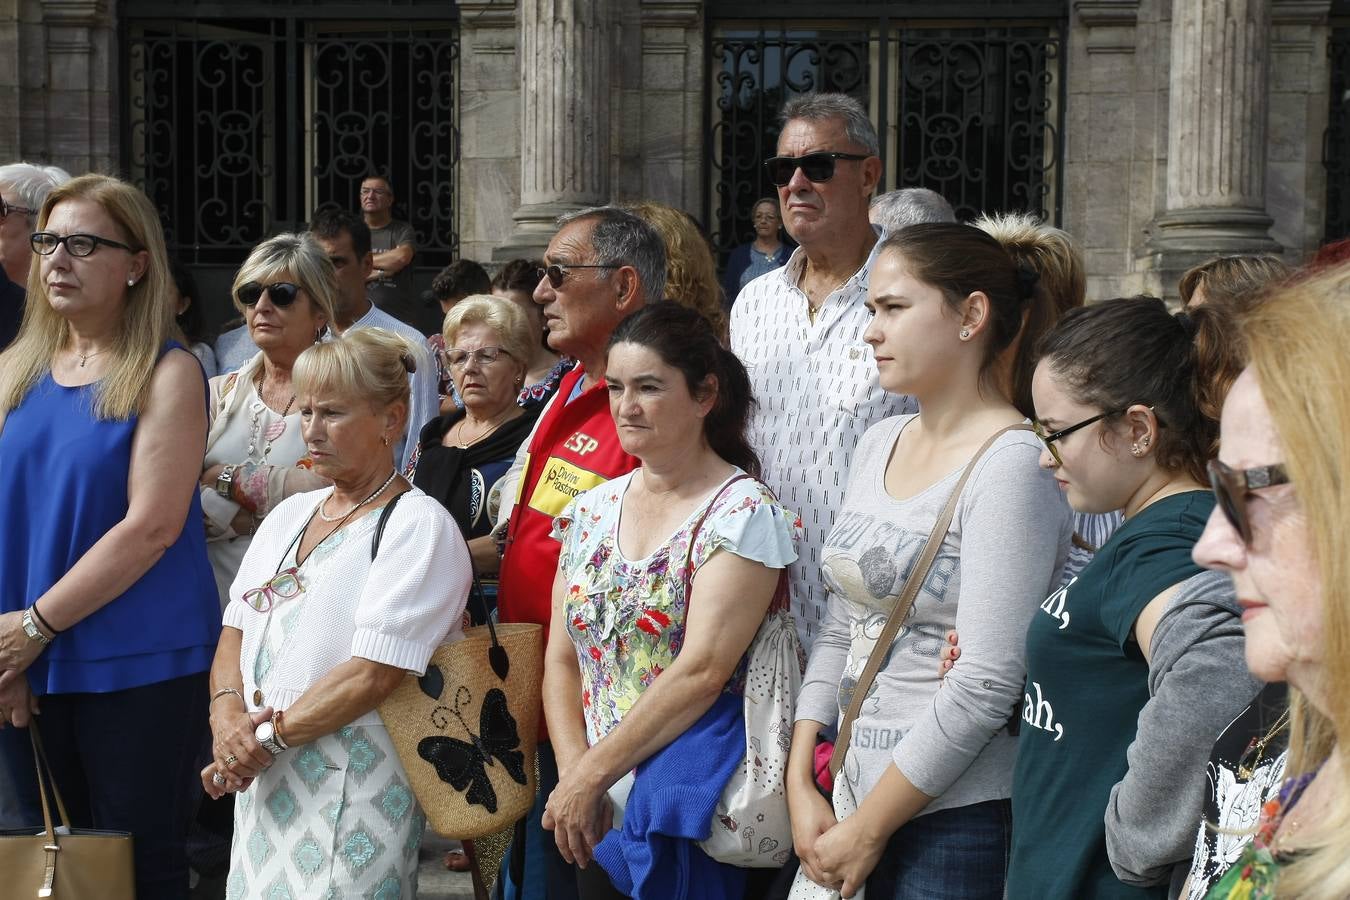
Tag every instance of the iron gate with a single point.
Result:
(240, 127)
(974, 112)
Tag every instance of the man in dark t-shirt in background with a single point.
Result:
(389, 285)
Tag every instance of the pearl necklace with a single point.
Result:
(381, 490)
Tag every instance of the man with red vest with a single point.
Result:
(603, 264)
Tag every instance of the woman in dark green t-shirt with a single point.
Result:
(1125, 398)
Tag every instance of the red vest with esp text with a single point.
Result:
(575, 448)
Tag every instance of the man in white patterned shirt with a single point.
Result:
(799, 329)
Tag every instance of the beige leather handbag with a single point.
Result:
(64, 863)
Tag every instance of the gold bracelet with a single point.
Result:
(222, 692)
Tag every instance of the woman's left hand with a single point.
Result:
(580, 814)
(846, 855)
(17, 650)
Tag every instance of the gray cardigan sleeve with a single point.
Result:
(1198, 683)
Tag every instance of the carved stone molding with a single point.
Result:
(1110, 24)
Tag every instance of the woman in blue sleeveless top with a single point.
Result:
(108, 611)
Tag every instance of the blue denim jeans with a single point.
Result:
(952, 854)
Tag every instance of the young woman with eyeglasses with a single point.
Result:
(929, 770)
(1134, 667)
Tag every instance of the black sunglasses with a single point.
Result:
(1231, 487)
(282, 294)
(44, 243)
(556, 273)
(816, 167)
(6, 208)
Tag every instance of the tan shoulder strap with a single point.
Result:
(904, 602)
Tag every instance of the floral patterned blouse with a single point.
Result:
(1253, 876)
(627, 617)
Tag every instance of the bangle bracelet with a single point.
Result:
(222, 692)
(43, 619)
(276, 731)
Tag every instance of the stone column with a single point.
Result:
(565, 60)
(1216, 144)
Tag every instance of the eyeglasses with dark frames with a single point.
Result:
(6, 208)
(1049, 438)
(281, 293)
(456, 358)
(45, 243)
(557, 273)
(817, 167)
(1231, 487)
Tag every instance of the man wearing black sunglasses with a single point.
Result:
(799, 329)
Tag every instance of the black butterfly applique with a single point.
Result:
(462, 764)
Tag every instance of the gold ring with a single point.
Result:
(231, 760)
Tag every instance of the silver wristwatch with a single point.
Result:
(266, 734)
(224, 481)
(30, 628)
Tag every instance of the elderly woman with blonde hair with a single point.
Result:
(342, 592)
(108, 614)
(1280, 530)
(255, 454)
(462, 455)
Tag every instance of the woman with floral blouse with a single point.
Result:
(664, 578)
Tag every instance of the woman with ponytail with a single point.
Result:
(1135, 666)
(667, 571)
(930, 770)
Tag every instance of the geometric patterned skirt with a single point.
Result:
(331, 819)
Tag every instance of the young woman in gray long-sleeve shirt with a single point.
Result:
(930, 769)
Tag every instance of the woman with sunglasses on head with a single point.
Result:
(462, 455)
(108, 615)
(929, 770)
(1134, 667)
(1279, 530)
(342, 593)
(255, 454)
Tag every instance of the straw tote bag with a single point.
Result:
(467, 730)
(69, 864)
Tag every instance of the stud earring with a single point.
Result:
(965, 334)
(131, 282)
(384, 439)
(1136, 450)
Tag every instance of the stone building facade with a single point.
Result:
(1158, 132)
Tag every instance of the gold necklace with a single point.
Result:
(460, 443)
(84, 357)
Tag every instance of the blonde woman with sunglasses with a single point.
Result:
(320, 629)
(255, 454)
(1134, 667)
(1279, 530)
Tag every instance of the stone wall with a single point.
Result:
(58, 77)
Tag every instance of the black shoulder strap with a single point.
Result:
(384, 519)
